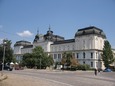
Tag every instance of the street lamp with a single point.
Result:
(40, 61)
(4, 43)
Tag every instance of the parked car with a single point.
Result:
(6, 67)
(107, 70)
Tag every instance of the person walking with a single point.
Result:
(95, 71)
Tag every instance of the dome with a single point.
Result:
(37, 36)
(49, 32)
(90, 30)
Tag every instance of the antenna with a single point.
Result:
(49, 27)
(38, 31)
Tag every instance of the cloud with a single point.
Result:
(25, 33)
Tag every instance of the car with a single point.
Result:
(7, 67)
(107, 70)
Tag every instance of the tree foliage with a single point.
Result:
(28, 60)
(8, 51)
(107, 55)
(38, 58)
(68, 59)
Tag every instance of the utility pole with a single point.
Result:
(4, 43)
(40, 61)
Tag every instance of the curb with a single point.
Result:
(3, 77)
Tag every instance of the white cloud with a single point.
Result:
(25, 33)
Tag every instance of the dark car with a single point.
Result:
(6, 67)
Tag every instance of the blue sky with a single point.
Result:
(20, 17)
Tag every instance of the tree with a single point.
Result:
(47, 61)
(38, 58)
(28, 60)
(39, 55)
(74, 62)
(69, 60)
(107, 55)
(8, 51)
(63, 60)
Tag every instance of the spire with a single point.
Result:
(49, 27)
(38, 32)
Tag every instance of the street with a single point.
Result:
(68, 78)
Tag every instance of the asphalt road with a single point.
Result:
(67, 78)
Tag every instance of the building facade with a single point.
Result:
(86, 46)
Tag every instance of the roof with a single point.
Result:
(64, 41)
(22, 42)
(90, 30)
(28, 46)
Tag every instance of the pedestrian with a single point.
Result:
(99, 70)
(95, 71)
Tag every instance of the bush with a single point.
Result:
(83, 67)
(73, 68)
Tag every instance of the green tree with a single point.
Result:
(8, 51)
(39, 55)
(28, 60)
(42, 59)
(38, 58)
(107, 55)
(47, 61)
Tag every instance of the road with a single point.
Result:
(67, 78)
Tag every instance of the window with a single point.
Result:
(68, 47)
(77, 54)
(91, 54)
(97, 64)
(55, 56)
(91, 64)
(83, 62)
(55, 48)
(73, 47)
(59, 56)
(83, 54)
(63, 47)
(83, 44)
(96, 54)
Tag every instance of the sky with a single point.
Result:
(20, 19)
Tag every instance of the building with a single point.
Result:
(86, 46)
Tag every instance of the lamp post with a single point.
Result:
(4, 43)
(40, 60)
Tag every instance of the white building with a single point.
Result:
(87, 46)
